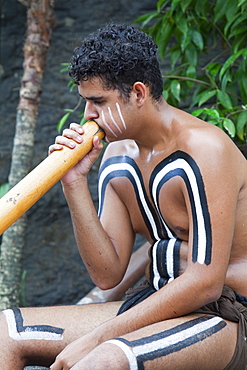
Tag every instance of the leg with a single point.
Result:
(187, 343)
(35, 336)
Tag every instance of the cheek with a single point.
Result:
(113, 120)
(121, 116)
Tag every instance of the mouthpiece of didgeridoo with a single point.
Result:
(33, 186)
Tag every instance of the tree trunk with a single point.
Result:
(40, 22)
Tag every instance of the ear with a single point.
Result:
(140, 92)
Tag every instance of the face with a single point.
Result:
(106, 108)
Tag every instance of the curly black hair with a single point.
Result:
(119, 55)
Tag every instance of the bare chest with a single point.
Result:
(153, 195)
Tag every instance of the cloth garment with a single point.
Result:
(230, 306)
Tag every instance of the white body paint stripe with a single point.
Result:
(169, 259)
(127, 351)
(155, 269)
(181, 163)
(133, 352)
(169, 262)
(177, 337)
(28, 334)
(130, 169)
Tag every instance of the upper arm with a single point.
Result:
(211, 204)
(113, 213)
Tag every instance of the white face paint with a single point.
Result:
(120, 115)
(106, 124)
(113, 120)
(113, 126)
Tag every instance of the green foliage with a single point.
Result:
(205, 42)
(4, 189)
(66, 116)
(23, 289)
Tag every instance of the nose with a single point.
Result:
(90, 112)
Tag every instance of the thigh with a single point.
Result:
(190, 342)
(39, 334)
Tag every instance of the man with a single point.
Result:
(176, 180)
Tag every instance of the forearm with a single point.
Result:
(176, 299)
(95, 247)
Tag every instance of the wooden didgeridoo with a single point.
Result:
(34, 185)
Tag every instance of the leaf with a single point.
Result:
(198, 39)
(213, 69)
(241, 123)
(224, 99)
(191, 73)
(165, 94)
(161, 4)
(191, 54)
(231, 10)
(229, 62)
(82, 121)
(212, 112)
(184, 4)
(229, 23)
(174, 57)
(238, 43)
(146, 18)
(227, 78)
(201, 8)
(241, 2)
(175, 89)
(197, 112)
(4, 189)
(229, 127)
(238, 31)
(164, 37)
(243, 84)
(220, 9)
(205, 96)
(181, 23)
(62, 121)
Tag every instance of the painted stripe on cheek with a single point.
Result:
(113, 120)
(120, 115)
(105, 123)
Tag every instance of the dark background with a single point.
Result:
(55, 273)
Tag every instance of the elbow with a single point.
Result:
(212, 292)
(106, 283)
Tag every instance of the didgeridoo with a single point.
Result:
(33, 186)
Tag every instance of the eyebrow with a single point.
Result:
(92, 97)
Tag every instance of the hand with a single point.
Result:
(73, 353)
(70, 138)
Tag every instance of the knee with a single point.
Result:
(6, 343)
(105, 356)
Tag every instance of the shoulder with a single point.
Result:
(120, 148)
(212, 149)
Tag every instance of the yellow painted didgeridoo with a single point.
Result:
(33, 186)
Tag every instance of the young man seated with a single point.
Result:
(178, 181)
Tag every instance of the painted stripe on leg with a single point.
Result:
(18, 331)
(127, 351)
(169, 341)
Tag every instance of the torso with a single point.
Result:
(151, 191)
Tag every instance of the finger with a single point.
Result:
(71, 134)
(97, 143)
(54, 147)
(65, 141)
(76, 127)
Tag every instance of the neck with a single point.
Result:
(155, 127)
